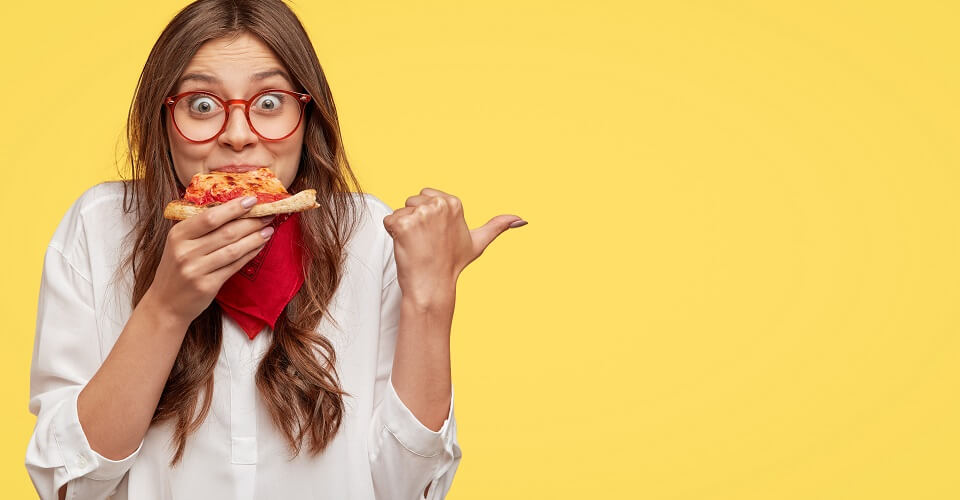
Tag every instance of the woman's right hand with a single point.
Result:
(201, 253)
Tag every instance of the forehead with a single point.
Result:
(233, 60)
(244, 48)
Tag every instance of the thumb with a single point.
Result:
(485, 234)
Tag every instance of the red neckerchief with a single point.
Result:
(256, 294)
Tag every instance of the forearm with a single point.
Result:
(118, 403)
(421, 363)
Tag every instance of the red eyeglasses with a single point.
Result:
(272, 114)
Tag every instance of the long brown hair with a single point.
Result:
(297, 377)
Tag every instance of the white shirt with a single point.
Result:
(381, 450)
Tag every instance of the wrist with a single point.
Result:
(160, 315)
(439, 299)
(429, 322)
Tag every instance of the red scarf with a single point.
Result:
(256, 295)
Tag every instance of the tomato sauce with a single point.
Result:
(228, 185)
(203, 198)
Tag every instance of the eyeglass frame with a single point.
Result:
(171, 101)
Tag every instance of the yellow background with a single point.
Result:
(740, 277)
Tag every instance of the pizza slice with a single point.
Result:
(217, 187)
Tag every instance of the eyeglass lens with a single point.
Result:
(273, 115)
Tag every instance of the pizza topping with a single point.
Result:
(221, 187)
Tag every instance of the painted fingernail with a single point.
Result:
(518, 223)
(248, 202)
(267, 219)
(266, 232)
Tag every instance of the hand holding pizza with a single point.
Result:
(432, 243)
(202, 252)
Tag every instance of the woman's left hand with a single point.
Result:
(432, 244)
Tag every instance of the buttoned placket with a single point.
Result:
(242, 355)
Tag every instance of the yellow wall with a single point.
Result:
(740, 276)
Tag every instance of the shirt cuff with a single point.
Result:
(408, 430)
(79, 458)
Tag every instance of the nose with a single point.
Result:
(237, 135)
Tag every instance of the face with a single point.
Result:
(235, 68)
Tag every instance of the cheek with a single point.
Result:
(287, 158)
(188, 158)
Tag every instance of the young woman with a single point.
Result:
(228, 357)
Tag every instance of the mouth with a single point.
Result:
(234, 168)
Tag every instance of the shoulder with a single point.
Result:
(371, 245)
(101, 192)
(372, 212)
(376, 205)
(100, 205)
(105, 196)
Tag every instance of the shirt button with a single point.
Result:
(81, 460)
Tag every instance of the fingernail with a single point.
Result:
(518, 223)
(266, 232)
(267, 219)
(249, 201)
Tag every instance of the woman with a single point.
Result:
(148, 381)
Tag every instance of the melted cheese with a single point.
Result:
(220, 187)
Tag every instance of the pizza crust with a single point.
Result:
(304, 200)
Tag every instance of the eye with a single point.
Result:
(202, 104)
(270, 102)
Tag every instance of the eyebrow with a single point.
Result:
(263, 75)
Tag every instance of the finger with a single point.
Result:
(414, 201)
(390, 221)
(230, 232)
(236, 250)
(485, 234)
(224, 273)
(433, 192)
(441, 198)
(214, 217)
(400, 212)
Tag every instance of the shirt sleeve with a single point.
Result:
(405, 455)
(66, 354)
